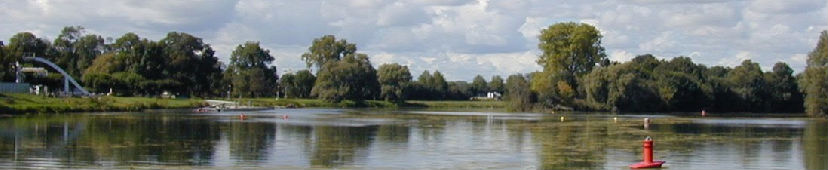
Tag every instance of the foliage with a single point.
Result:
(814, 80)
(394, 81)
(352, 78)
(298, 85)
(249, 73)
(570, 49)
(327, 49)
(435, 87)
(517, 93)
(496, 84)
(479, 85)
(649, 84)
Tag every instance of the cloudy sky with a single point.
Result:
(461, 38)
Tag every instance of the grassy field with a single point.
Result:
(27, 103)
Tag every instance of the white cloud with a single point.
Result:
(621, 56)
(736, 60)
(485, 37)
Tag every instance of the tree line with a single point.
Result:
(576, 74)
(184, 65)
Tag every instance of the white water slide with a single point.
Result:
(66, 77)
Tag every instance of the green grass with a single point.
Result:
(274, 102)
(15, 103)
(27, 103)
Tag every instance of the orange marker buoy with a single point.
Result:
(648, 156)
(242, 116)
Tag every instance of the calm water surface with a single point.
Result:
(378, 139)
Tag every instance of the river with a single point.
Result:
(405, 139)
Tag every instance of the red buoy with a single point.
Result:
(648, 156)
(704, 113)
(242, 116)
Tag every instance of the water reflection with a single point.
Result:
(404, 140)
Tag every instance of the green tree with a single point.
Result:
(439, 84)
(747, 82)
(518, 93)
(569, 51)
(479, 85)
(76, 50)
(783, 90)
(249, 71)
(23, 44)
(352, 78)
(681, 85)
(421, 89)
(298, 85)
(191, 62)
(459, 90)
(327, 49)
(496, 84)
(394, 81)
(815, 79)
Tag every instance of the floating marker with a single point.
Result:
(648, 156)
(646, 123)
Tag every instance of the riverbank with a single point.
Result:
(26, 103)
(274, 102)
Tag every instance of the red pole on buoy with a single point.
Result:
(648, 150)
(648, 156)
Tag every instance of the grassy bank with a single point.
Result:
(27, 103)
(271, 102)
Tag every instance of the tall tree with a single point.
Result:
(569, 50)
(815, 79)
(298, 85)
(439, 84)
(191, 62)
(783, 90)
(249, 71)
(421, 89)
(76, 49)
(518, 93)
(747, 82)
(394, 81)
(326, 49)
(496, 84)
(479, 85)
(352, 78)
(23, 44)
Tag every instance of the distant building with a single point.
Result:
(489, 96)
(494, 95)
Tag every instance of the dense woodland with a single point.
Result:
(576, 74)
